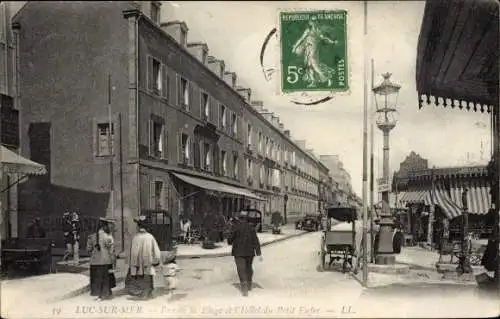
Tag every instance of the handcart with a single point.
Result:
(339, 243)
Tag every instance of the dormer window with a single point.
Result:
(155, 11)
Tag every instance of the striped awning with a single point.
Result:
(478, 198)
(449, 208)
(416, 197)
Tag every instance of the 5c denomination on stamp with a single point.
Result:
(314, 51)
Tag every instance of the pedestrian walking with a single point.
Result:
(246, 246)
(71, 230)
(102, 260)
(144, 257)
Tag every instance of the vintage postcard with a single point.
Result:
(257, 159)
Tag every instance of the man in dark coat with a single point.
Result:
(246, 246)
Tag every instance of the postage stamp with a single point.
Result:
(313, 48)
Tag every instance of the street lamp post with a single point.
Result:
(285, 201)
(386, 95)
(464, 263)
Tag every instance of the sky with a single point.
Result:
(235, 32)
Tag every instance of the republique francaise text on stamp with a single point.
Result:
(313, 51)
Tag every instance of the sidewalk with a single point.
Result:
(223, 249)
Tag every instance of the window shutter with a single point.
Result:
(151, 139)
(201, 152)
(216, 159)
(144, 191)
(179, 147)
(179, 90)
(150, 75)
(191, 157)
(164, 79)
(200, 101)
(165, 142)
(152, 192)
(197, 155)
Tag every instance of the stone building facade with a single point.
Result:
(129, 116)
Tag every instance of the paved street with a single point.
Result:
(286, 284)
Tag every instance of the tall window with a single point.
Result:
(205, 104)
(207, 157)
(249, 130)
(104, 143)
(260, 142)
(267, 146)
(235, 166)
(234, 124)
(185, 148)
(184, 93)
(249, 168)
(157, 139)
(155, 12)
(224, 162)
(262, 174)
(223, 116)
(158, 195)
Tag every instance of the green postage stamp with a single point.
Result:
(314, 51)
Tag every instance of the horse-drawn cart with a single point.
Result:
(339, 241)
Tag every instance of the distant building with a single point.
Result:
(344, 195)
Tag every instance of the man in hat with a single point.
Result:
(246, 246)
(145, 255)
(71, 230)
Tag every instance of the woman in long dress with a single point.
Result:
(145, 255)
(307, 46)
(102, 258)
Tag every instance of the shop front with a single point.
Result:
(457, 67)
(205, 201)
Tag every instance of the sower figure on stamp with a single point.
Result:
(246, 245)
(307, 46)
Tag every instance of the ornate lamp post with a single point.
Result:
(464, 263)
(285, 201)
(386, 98)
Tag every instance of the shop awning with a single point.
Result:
(13, 163)
(478, 198)
(217, 187)
(416, 197)
(457, 54)
(449, 208)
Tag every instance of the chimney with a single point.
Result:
(257, 105)
(230, 78)
(287, 133)
(199, 50)
(282, 127)
(275, 121)
(177, 30)
(217, 66)
(245, 92)
(301, 143)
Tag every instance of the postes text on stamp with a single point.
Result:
(314, 51)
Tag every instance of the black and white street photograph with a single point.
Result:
(256, 159)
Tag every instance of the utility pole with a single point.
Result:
(111, 151)
(372, 182)
(365, 147)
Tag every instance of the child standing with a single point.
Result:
(170, 271)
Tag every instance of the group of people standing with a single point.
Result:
(145, 262)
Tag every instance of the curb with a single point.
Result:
(85, 289)
(228, 253)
